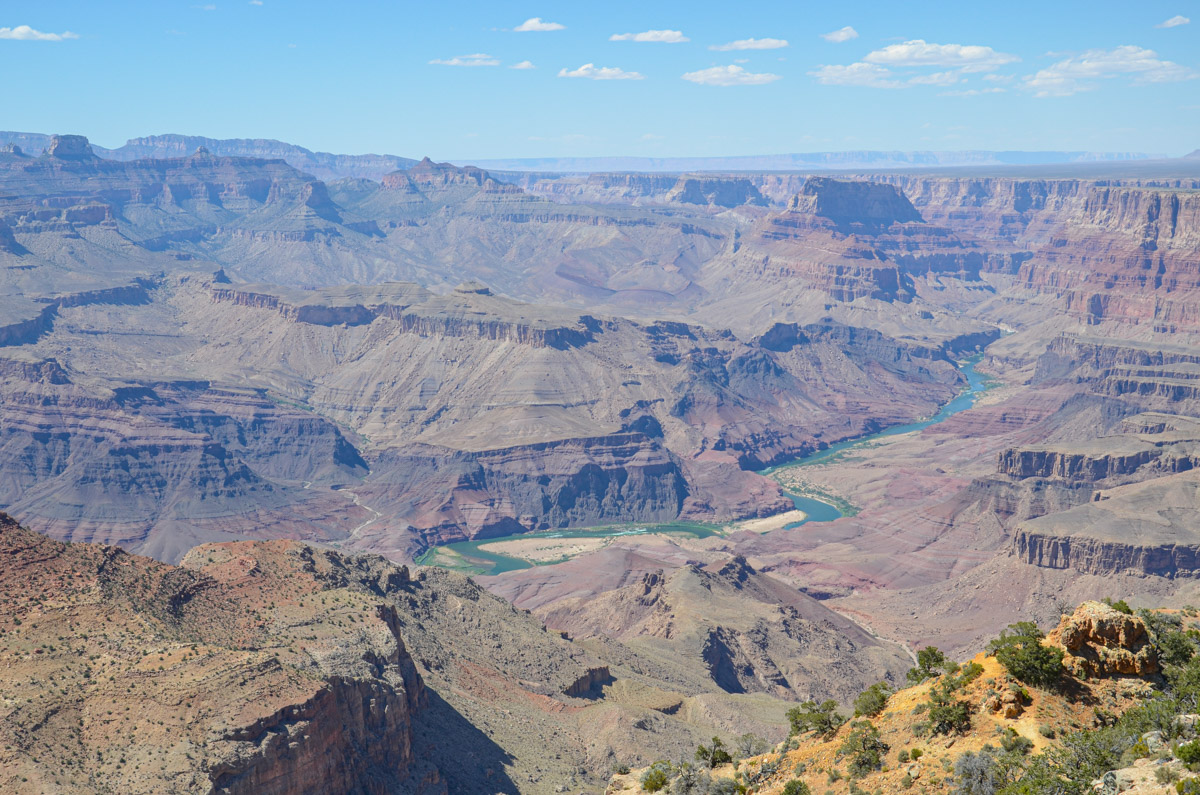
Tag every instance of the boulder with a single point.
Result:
(1101, 641)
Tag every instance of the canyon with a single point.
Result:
(247, 373)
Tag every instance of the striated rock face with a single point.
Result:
(467, 312)
(217, 697)
(716, 191)
(1072, 466)
(577, 482)
(1102, 641)
(855, 239)
(70, 147)
(854, 203)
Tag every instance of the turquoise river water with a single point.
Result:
(484, 562)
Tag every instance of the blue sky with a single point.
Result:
(438, 79)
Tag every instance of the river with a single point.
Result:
(816, 510)
(468, 556)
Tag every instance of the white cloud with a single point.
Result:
(523, 65)
(971, 92)
(935, 79)
(656, 36)
(256, 2)
(26, 33)
(841, 34)
(475, 59)
(1174, 22)
(730, 76)
(593, 72)
(856, 74)
(536, 25)
(1079, 72)
(751, 44)
(994, 78)
(918, 52)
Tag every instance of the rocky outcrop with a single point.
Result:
(231, 704)
(1104, 557)
(1101, 641)
(1026, 463)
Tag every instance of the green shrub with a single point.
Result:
(796, 787)
(902, 757)
(915, 754)
(713, 755)
(871, 701)
(930, 661)
(865, 749)
(1019, 649)
(1121, 606)
(1015, 743)
(1189, 753)
(947, 715)
(1189, 786)
(656, 777)
(821, 718)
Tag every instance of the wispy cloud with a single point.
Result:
(523, 65)
(935, 79)
(256, 2)
(537, 25)
(841, 34)
(856, 74)
(592, 72)
(971, 92)
(26, 33)
(1174, 22)
(475, 59)
(653, 36)
(1080, 72)
(751, 44)
(918, 52)
(729, 76)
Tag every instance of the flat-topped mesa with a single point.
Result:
(715, 191)
(469, 311)
(851, 203)
(70, 147)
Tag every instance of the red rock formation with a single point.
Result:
(1101, 641)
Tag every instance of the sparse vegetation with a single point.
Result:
(821, 718)
(930, 663)
(864, 748)
(1020, 650)
(871, 701)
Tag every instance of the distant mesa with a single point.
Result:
(473, 288)
(70, 147)
(1195, 155)
(11, 149)
(855, 202)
